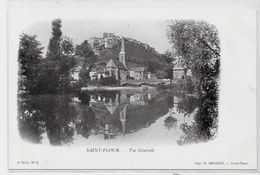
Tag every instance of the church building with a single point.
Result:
(118, 68)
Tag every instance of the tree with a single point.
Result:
(196, 43)
(169, 56)
(54, 48)
(60, 60)
(109, 81)
(170, 122)
(151, 66)
(84, 50)
(67, 47)
(67, 64)
(48, 80)
(84, 76)
(29, 58)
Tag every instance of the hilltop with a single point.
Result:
(138, 54)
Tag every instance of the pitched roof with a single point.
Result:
(111, 107)
(116, 64)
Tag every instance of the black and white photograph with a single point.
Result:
(117, 88)
(109, 88)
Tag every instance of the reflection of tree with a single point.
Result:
(84, 97)
(87, 122)
(59, 115)
(139, 117)
(170, 122)
(187, 104)
(52, 113)
(205, 121)
(30, 120)
(190, 134)
(60, 119)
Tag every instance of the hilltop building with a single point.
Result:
(118, 68)
(107, 41)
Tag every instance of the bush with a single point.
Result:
(94, 82)
(109, 81)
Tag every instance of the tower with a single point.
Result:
(122, 53)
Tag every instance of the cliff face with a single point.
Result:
(138, 54)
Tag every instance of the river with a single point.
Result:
(99, 118)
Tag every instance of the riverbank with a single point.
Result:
(111, 88)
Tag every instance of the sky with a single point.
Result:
(152, 32)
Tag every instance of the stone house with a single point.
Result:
(178, 73)
(95, 74)
(137, 73)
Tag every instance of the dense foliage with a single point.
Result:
(29, 58)
(197, 46)
(51, 74)
(84, 50)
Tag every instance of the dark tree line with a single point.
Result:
(54, 115)
(51, 74)
(30, 59)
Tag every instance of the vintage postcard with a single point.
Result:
(106, 86)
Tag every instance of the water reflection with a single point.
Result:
(115, 115)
